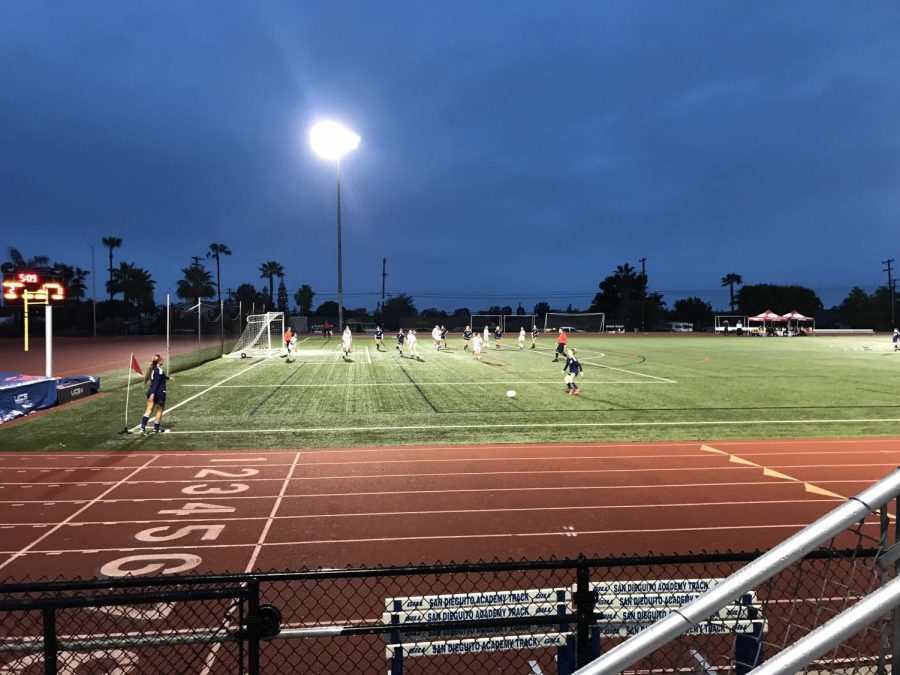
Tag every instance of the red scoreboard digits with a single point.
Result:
(39, 285)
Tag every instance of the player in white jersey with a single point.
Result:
(346, 341)
(292, 348)
(411, 341)
(476, 346)
(436, 336)
(486, 341)
(522, 337)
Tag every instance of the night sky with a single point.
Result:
(511, 151)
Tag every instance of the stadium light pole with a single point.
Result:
(331, 141)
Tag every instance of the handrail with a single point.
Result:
(766, 566)
(827, 636)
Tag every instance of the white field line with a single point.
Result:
(272, 513)
(209, 388)
(16, 554)
(531, 425)
(331, 385)
(631, 372)
(368, 356)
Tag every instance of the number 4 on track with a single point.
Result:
(197, 509)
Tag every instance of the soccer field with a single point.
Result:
(634, 389)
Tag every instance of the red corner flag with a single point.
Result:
(135, 366)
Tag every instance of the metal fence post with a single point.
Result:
(50, 645)
(253, 627)
(585, 602)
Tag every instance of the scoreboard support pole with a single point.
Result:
(48, 341)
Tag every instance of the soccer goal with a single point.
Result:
(579, 322)
(479, 321)
(513, 322)
(263, 336)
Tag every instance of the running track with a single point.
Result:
(87, 515)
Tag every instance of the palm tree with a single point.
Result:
(216, 251)
(111, 243)
(304, 299)
(197, 283)
(18, 260)
(269, 270)
(730, 280)
(74, 280)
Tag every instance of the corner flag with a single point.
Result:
(135, 366)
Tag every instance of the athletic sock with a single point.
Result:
(144, 421)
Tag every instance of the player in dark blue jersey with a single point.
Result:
(400, 338)
(156, 378)
(379, 338)
(572, 369)
(498, 335)
(534, 336)
(443, 336)
(467, 335)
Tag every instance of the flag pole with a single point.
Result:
(127, 394)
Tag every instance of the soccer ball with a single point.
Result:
(511, 393)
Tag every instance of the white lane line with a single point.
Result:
(438, 512)
(551, 425)
(443, 536)
(98, 498)
(271, 519)
(368, 356)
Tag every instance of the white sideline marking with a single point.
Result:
(423, 384)
(561, 425)
(368, 356)
(210, 388)
(16, 554)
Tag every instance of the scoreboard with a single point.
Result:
(37, 284)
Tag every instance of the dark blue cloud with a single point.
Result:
(511, 151)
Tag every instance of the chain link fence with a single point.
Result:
(526, 617)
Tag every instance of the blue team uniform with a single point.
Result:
(498, 334)
(400, 338)
(379, 334)
(535, 332)
(157, 388)
(573, 366)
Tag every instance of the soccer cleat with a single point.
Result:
(576, 390)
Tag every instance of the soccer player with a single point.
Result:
(287, 338)
(572, 369)
(467, 335)
(476, 346)
(436, 336)
(379, 338)
(534, 336)
(486, 340)
(521, 337)
(326, 329)
(412, 340)
(561, 340)
(346, 341)
(400, 338)
(498, 335)
(292, 349)
(443, 337)
(156, 394)
(896, 340)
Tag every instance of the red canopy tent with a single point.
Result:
(768, 315)
(798, 317)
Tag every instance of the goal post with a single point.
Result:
(513, 322)
(583, 322)
(263, 336)
(478, 321)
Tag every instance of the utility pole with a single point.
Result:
(383, 277)
(888, 267)
(643, 262)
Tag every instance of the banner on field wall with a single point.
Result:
(21, 394)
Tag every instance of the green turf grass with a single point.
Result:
(634, 389)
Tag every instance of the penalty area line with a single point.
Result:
(523, 425)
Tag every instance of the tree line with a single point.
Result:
(624, 296)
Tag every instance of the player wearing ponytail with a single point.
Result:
(156, 394)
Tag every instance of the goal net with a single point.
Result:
(513, 322)
(479, 321)
(582, 322)
(263, 336)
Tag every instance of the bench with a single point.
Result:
(623, 609)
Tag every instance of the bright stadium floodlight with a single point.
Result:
(332, 141)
